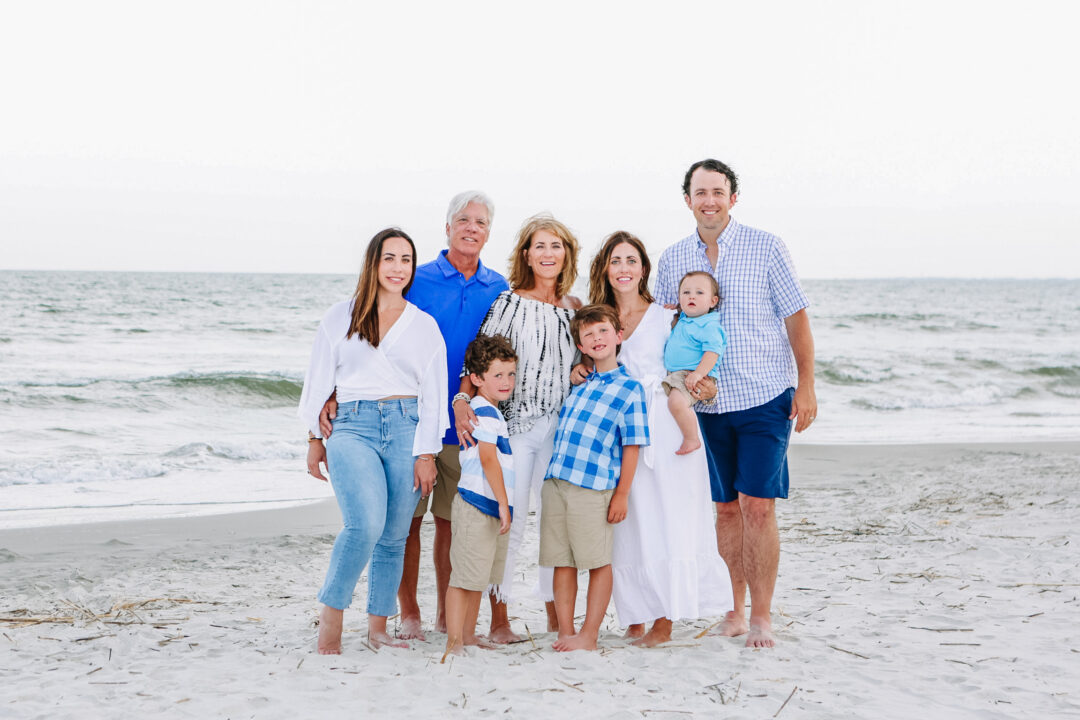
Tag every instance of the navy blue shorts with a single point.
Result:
(747, 450)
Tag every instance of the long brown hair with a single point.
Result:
(521, 275)
(365, 310)
(600, 290)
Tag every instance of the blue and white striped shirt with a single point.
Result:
(601, 415)
(473, 486)
(758, 289)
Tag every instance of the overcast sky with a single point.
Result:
(901, 139)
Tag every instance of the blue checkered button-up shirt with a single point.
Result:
(599, 416)
(758, 289)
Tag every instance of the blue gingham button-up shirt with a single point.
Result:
(599, 417)
(758, 289)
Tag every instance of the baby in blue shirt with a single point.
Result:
(692, 354)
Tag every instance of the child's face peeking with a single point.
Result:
(498, 382)
(696, 296)
(599, 340)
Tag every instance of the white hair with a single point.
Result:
(461, 200)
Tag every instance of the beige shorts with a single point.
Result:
(447, 474)
(574, 531)
(477, 550)
(677, 381)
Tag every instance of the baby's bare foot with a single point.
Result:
(688, 446)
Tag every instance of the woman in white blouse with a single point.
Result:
(386, 359)
(535, 316)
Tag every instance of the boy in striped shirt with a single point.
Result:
(480, 514)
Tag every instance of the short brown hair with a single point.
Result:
(590, 315)
(521, 275)
(712, 281)
(486, 349)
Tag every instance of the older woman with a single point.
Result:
(665, 562)
(387, 361)
(535, 316)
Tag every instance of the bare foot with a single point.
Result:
(440, 623)
(453, 648)
(635, 631)
(330, 630)
(379, 639)
(409, 629)
(760, 635)
(658, 635)
(503, 635)
(575, 642)
(688, 446)
(732, 626)
(480, 642)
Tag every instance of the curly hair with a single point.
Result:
(485, 350)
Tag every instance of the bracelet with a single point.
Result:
(460, 396)
(426, 457)
(311, 437)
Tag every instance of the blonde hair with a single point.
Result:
(521, 275)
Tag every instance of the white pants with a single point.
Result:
(531, 452)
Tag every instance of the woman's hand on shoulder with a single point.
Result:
(579, 373)
(464, 421)
(572, 302)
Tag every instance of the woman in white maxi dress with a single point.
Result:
(666, 565)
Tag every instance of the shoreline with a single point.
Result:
(807, 462)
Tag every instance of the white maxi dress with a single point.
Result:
(664, 559)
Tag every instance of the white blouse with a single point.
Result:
(410, 360)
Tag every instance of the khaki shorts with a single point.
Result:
(677, 381)
(574, 531)
(447, 474)
(477, 550)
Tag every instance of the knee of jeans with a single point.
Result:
(361, 534)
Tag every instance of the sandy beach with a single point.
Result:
(915, 580)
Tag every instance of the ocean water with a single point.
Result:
(148, 394)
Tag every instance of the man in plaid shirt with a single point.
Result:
(765, 386)
(602, 425)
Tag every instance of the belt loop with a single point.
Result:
(401, 406)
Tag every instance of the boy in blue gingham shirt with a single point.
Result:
(602, 425)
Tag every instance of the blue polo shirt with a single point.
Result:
(458, 306)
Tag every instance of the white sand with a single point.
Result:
(915, 581)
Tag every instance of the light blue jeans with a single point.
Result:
(369, 456)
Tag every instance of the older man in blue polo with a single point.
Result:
(765, 387)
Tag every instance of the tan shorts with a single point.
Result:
(447, 474)
(574, 531)
(477, 550)
(677, 381)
